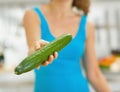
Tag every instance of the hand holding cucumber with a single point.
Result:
(38, 45)
(43, 53)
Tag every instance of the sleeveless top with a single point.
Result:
(65, 73)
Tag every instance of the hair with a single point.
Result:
(82, 5)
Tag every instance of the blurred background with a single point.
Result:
(105, 14)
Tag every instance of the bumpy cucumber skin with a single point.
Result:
(38, 57)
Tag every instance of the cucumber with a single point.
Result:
(41, 55)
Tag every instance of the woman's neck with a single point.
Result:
(61, 8)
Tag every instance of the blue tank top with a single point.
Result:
(64, 74)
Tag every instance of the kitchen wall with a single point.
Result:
(106, 18)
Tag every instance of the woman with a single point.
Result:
(64, 74)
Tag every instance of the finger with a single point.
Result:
(45, 63)
(55, 55)
(51, 57)
(37, 45)
(43, 43)
(38, 67)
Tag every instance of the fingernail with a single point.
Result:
(47, 63)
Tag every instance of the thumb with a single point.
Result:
(37, 45)
(43, 42)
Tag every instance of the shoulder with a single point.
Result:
(30, 16)
(90, 29)
(90, 26)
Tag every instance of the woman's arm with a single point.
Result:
(94, 74)
(31, 24)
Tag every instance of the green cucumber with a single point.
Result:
(41, 55)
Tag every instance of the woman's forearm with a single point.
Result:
(98, 81)
(93, 72)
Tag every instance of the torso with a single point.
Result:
(65, 70)
(62, 25)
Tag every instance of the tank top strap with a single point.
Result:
(41, 16)
(43, 26)
(82, 27)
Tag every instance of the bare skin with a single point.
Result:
(63, 20)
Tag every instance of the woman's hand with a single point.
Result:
(39, 44)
